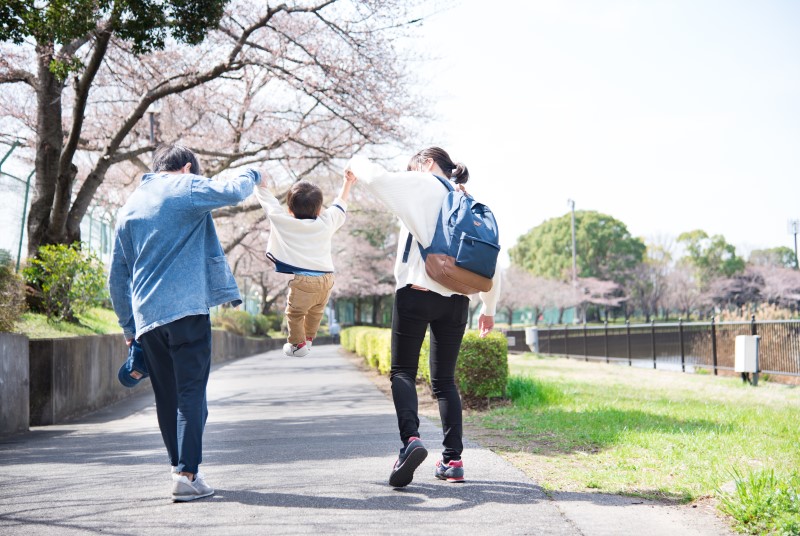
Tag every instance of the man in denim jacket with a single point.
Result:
(167, 269)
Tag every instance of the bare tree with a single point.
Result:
(781, 286)
(682, 291)
(647, 284)
(517, 291)
(253, 270)
(554, 294)
(593, 291)
(364, 254)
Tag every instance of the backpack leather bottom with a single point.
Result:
(442, 269)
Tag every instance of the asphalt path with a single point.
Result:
(292, 446)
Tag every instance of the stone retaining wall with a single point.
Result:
(14, 383)
(70, 377)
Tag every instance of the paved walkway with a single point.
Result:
(292, 446)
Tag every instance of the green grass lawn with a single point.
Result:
(657, 434)
(95, 321)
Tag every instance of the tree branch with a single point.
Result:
(82, 86)
(242, 235)
(131, 155)
(13, 76)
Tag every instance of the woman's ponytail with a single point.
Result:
(457, 172)
(460, 174)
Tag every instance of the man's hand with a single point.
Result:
(349, 176)
(485, 324)
(128, 342)
(255, 175)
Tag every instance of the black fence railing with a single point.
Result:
(678, 346)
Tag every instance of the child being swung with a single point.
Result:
(300, 244)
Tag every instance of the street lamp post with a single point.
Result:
(152, 111)
(571, 204)
(794, 228)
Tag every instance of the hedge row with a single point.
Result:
(482, 363)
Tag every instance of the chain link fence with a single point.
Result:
(16, 190)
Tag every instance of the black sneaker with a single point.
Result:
(410, 458)
(452, 471)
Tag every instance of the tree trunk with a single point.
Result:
(357, 312)
(472, 311)
(264, 306)
(49, 142)
(376, 303)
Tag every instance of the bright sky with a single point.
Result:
(667, 115)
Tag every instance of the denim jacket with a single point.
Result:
(167, 262)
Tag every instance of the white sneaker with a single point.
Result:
(184, 490)
(292, 350)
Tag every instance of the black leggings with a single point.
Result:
(414, 311)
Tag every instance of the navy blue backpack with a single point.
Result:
(463, 253)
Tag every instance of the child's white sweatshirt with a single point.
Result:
(416, 198)
(301, 245)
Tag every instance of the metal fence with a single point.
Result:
(681, 346)
(16, 184)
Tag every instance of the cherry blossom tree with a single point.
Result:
(364, 255)
(517, 291)
(290, 86)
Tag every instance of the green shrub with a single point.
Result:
(346, 339)
(239, 322)
(424, 370)
(382, 351)
(12, 294)
(482, 363)
(273, 321)
(71, 279)
(764, 503)
(263, 324)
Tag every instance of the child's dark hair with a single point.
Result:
(304, 200)
(174, 157)
(456, 171)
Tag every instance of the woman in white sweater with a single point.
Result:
(416, 197)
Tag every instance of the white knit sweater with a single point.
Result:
(302, 244)
(416, 198)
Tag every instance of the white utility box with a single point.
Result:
(746, 353)
(532, 339)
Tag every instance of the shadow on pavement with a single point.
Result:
(453, 497)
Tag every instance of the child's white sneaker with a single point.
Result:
(296, 350)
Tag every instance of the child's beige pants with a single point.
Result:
(305, 305)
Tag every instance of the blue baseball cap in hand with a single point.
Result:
(134, 363)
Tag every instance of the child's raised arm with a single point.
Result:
(268, 201)
(349, 180)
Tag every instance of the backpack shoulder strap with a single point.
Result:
(408, 248)
(410, 238)
(446, 183)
